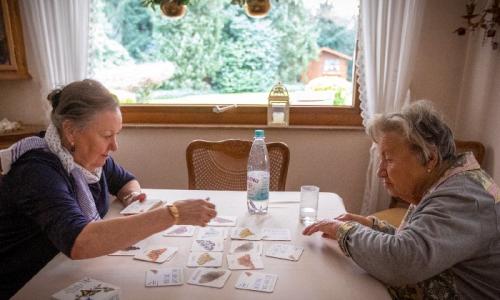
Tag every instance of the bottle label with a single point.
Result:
(258, 185)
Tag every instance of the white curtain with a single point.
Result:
(57, 31)
(389, 32)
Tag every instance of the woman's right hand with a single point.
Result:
(195, 212)
(356, 218)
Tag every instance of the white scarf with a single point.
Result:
(81, 176)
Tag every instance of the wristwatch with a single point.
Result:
(174, 212)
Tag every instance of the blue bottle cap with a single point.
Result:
(259, 133)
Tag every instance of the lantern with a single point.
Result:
(278, 109)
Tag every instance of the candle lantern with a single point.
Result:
(278, 109)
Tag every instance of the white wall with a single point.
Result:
(336, 159)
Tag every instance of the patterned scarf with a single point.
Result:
(81, 176)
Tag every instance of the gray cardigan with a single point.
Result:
(448, 245)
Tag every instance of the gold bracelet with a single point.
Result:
(174, 212)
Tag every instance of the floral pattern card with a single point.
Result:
(284, 251)
(208, 245)
(245, 233)
(209, 277)
(276, 234)
(245, 247)
(164, 277)
(244, 261)
(180, 230)
(256, 281)
(81, 290)
(157, 254)
(223, 221)
(205, 259)
(131, 250)
(211, 233)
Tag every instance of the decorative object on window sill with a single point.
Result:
(9, 126)
(278, 109)
(254, 8)
(173, 9)
(488, 20)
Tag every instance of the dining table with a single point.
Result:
(321, 272)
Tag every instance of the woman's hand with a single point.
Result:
(134, 196)
(327, 227)
(356, 218)
(195, 212)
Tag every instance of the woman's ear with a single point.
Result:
(433, 159)
(68, 132)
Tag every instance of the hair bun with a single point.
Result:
(54, 97)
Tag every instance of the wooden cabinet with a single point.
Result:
(7, 139)
(12, 52)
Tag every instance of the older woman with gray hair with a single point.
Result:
(448, 245)
(55, 191)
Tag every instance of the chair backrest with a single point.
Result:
(475, 147)
(222, 165)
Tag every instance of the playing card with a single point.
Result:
(180, 230)
(208, 245)
(245, 247)
(257, 281)
(131, 250)
(157, 254)
(276, 234)
(223, 221)
(209, 277)
(164, 277)
(244, 261)
(138, 207)
(245, 233)
(87, 286)
(205, 259)
(211, 233)
(284, 251)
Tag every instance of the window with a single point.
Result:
(176, 71)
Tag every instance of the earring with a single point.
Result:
(429, 170)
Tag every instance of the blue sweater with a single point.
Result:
(40, 216)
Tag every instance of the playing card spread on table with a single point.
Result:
(131, 250)
(138, 207)
(89, 288)
(257, 281)
(244, 261)
(205, 259)
(276, 234)
(164, 277)
(284, 251)
(245, 247)
(157, 254)
(211, 233)
(209, 277)
(180, 230)
(208, 245)
(245, 233)
(223, 221)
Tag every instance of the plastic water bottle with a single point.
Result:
(258, 175)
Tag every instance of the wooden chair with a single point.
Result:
(222, 165)
(397, 209)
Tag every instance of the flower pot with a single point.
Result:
(257, 8)
(172, 10)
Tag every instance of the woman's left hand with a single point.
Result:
(327, 227)
(134, 196)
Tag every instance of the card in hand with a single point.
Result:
(205, 259)
(276, 234)
(211, 233)
(245, 233)
(209, 277)
(245, 246)
(138, 207)
(223, 221)
(180, 230)
(208, 245)
(244, 261)
(284, 251)
(257, 281)
(164, 277)
(157, 254)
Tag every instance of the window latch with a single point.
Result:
(222, 108)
